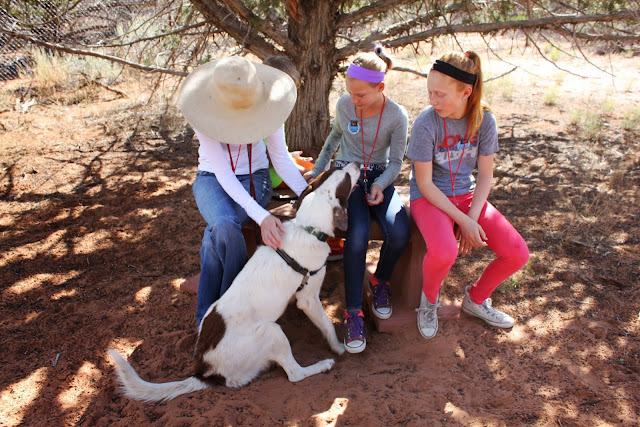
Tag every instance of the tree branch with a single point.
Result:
(158, 36)
(348, 19)
(410, 70)
(265, 26)
(397, 29)
(596, 37)
(501, 75)
(547, 59)
(223, 18)
(548, 22)
(66, 49)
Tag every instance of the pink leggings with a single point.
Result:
(442, 248)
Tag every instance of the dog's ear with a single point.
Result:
(343, 191)
(340, 218)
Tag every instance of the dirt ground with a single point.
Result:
(99, 228)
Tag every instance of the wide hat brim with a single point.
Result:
(204, 111)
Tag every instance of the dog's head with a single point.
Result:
(329, 191)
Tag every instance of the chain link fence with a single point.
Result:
(154, 34)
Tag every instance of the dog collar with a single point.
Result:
(319, 234)
(298, 268)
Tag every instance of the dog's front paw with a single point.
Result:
(338, 348)
(326, 364)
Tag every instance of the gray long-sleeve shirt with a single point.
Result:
(346, 137)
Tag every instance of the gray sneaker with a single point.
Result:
(485, 312)
(428, 316)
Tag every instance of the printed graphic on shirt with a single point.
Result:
(457, 146)
(354, 126)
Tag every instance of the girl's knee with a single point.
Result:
(443, 257)
(520, 256)
(356, 244)
(222, 230)
(398, 239)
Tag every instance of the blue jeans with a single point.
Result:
(394, 223)
(223, 252)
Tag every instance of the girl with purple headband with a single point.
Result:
(448, 139)
(370, 129)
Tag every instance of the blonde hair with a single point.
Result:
(374, 61)
(470, 62)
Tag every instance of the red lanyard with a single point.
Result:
(366, 161)
(233, 166)
(464, 143)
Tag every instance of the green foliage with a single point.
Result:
(552, 51)
(575, 116)
(34, 11)
(503, 87)
(559, 77)
(507, 88)
(96, 68)
(608, 105)
(628, 84)
(49, 72)
(551, 95)
(587, 6)
(590, 123)
(631, 119)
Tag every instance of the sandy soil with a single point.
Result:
(99, 228)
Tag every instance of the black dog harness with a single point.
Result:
(296, 266)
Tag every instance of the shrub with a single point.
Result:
(590, 123)
(551, 95)
(631, 119)
(50, 72)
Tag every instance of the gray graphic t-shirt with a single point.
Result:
(429, 143)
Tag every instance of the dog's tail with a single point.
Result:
(136, 388)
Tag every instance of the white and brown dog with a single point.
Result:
(239, 336)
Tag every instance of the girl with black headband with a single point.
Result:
(370, 129)
(449, 206)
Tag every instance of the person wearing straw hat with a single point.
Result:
(233, 105)
(370, 129)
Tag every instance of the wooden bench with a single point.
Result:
(406, 283)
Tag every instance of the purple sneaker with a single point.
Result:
(380, 294)
(354, 339)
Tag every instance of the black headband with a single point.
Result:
(455, 72)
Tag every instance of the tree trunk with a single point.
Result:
(314, 36)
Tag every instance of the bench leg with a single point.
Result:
(406, 287)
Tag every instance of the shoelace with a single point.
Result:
(490, 310)
(381, 295)
(354, 325)
(430, 310)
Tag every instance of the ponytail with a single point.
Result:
(379, 50)
(470, 62)
(377, 60)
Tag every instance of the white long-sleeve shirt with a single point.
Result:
(214, 158)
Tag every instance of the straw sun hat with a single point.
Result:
(236, 101)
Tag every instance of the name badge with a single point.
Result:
(354, 126)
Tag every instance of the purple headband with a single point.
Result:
(365, 74)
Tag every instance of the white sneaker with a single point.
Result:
(485, 312)
(428, 316)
